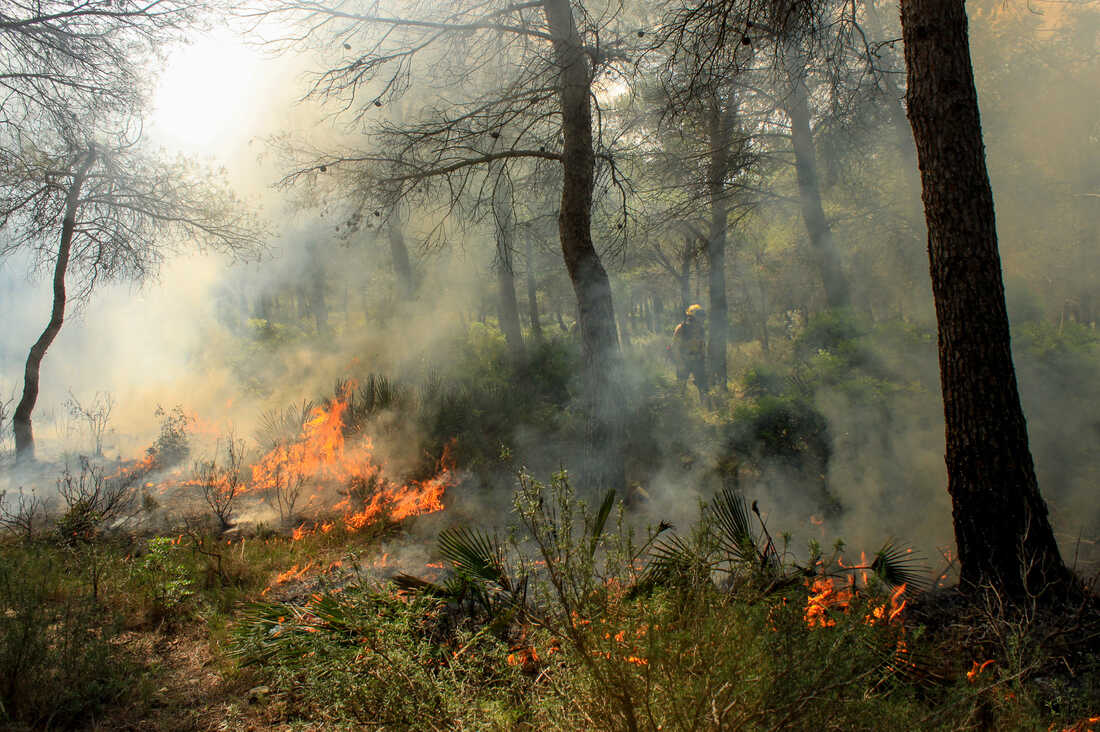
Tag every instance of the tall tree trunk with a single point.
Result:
(533, 294)
(314, 290)
(506, 278)
(319, 307)
(720, 134)
(809, 191)
(596, 314)
(399, 252)
(1001, 527)
(685, 276)
(21, 420)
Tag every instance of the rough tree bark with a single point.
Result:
(596, 315)
(1004, 537)
(21, 420)
(837, 293)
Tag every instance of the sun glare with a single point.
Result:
(207, 95)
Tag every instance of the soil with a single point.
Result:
(186, 690)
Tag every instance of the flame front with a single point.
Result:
(321, 456)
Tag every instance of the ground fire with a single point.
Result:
(348, 483)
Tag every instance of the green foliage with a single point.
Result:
(59, 663)
(786, 429)
(359, 657)
(1052, 343)
(650, 640)
(832, 330)
(764, 381)
(165, 576)
(484, 399)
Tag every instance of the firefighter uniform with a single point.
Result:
(689, 347)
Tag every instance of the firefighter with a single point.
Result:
(689, 348)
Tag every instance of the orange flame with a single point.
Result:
(977, 670)
(322, 455)
(824, 596)
(293, 573)
(827, 595)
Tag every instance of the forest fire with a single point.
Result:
(322, 459)
(828, 596)
(321, 454)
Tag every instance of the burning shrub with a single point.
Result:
(706, 630)
(219, 484)
(362, 489)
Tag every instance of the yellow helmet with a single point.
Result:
(696, 311)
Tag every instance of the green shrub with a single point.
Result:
(358, 657)
(832, 330)
(165, 577)
(59, 663)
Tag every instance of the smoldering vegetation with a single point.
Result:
(398, 392)
(833, 417)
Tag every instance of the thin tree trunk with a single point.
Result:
(319, 307)
(314, 291)
(21, 420)
(506, 279)
(624, 332)
(809, 192)
(1002, 531)
(596, 314)
(720, 134)
(399, 252)
(685, 276)
(532, 294)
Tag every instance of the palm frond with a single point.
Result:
(731, 517)
(897, 565)
(670, 561)
(474, 554)
(262, 632)
(601, 521)
(417, 585)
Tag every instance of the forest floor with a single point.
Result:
(446, 664)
